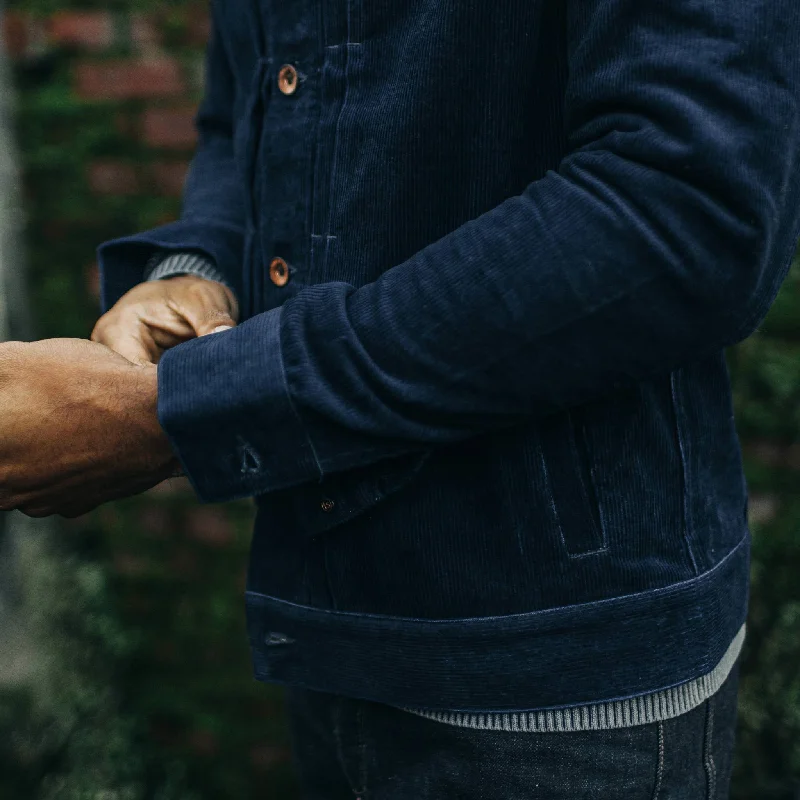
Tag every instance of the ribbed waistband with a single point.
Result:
(643, 710)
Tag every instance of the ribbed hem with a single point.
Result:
(162, 266)
(644, 710)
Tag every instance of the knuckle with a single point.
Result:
(197, 292)
(217, 317)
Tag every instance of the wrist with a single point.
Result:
(155, 447)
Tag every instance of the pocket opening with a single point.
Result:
(567, 457)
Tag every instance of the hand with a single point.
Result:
(78, 427)
(157, 315)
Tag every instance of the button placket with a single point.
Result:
(257, 103)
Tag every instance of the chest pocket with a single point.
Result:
(572, 486)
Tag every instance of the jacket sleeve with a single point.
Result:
(662, 237)
(212, 220)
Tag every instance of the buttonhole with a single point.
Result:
(278, 638)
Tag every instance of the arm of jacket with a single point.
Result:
(213, 216)
(662, 238)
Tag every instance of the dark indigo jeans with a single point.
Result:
(347, 749)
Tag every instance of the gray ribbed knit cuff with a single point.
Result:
(643, 710)
(165, 265)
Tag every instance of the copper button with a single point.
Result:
(327, 505)
(287, 79)
(279, 272)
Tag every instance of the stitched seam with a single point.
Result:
(552, 503)
(589, 495)
(338, 714)
(290, 399)
(660, 766)
(335, 157)
(343, 707)
(679, 435)
(708, 755)
(259, 599)
(362, 752)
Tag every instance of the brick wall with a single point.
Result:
(106, 127)
(106, 110)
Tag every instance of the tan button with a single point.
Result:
(287, 79)
(279, 272)
(327, 505)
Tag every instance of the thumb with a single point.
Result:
(219, 329)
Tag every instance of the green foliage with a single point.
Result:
(145, 688)
(769, 730)
(146, 691)
(63, 734)
(766, 380)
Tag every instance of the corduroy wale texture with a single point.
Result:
(488, 419)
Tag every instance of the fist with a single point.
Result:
(79, 427)
(157, 315)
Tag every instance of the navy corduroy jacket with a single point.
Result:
(489, 255)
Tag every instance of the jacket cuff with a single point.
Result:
(163, 265)
(123, 261)
(225, 405)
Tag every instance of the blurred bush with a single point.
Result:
(141, 686)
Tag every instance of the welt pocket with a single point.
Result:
(568, 461)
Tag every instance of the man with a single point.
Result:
(487, 258)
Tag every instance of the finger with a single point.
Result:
(164, 338)
(142, 331)
(220, 329)
(208, 307)
(212, 321)
(133, 340)
(137, 348)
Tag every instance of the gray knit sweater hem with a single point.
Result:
(644, 710)
(163, 265)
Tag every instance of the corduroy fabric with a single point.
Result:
(487, 421)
